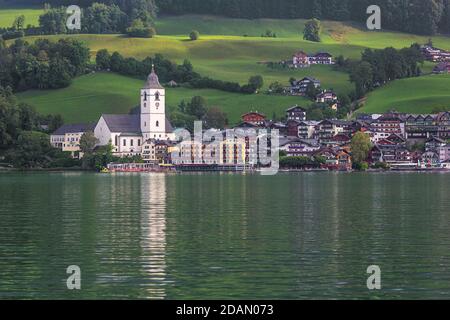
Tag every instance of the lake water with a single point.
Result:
(224, 236)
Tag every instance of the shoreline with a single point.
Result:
(280, 171)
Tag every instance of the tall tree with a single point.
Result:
(361, 146)
(88, 141)
(215, 118)
(312, 30)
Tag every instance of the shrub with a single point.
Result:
(194, 35)
(8, 35)
(139, 30)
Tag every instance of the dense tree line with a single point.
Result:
(197, 110)
(145, 10)
(99, 18)
(415, 16)
(301, 162)
(377, 67)
(168, 71)
(42, 64)
(135, 17)
(24, 139)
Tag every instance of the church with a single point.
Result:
(135, 134)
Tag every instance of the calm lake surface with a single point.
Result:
(229, 236)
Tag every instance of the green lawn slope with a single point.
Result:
(8, 13)
(414, 95)
(91, 95)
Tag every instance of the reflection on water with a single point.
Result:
(153, 228)
(155, 236)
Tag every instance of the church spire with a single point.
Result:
(153, 80)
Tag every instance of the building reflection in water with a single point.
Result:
(153, 234)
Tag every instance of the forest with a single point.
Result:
(414, 16)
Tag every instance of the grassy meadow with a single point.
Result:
(413, 95)
(8, 14)
(91, 95)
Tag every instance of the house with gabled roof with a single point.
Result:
(254, 117)
(321, 58)
(442, 68)
(296, 113)
(299, 87)
(303, 60)
(300, 60)
(67, 137)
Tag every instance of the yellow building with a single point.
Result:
(67, 138)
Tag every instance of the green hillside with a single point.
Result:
(227, 57)
(7, 16)
(91, 95)
(223, 52)
(414, 95)
(333, 32)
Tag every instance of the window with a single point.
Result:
(124, 142)
(139, 142)
(115, 141)
(145, 96)
(157, 96)
(131, 142)
(157, 123)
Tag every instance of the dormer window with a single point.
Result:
(157, 96)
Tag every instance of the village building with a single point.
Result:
(172, 84)
(280, 126)
(157, 151)
(67, 138)
(335, 158)
(341, 139)
(444, 153)
(427, 126)
(434, 144)
(296, 113)
(327, 129)
(386, 125)
(300, 60)
(303, 60)
(393, 150)
(299, 147)
(128, 133)
(443, 123)
(434, 54)
(321, 58)
(429, 159)
(442, 68)
(230, 152)
(299, 87)
(293, 127)
(328, 97)
(254, 118)
(307, 129)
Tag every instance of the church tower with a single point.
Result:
(153, 109)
